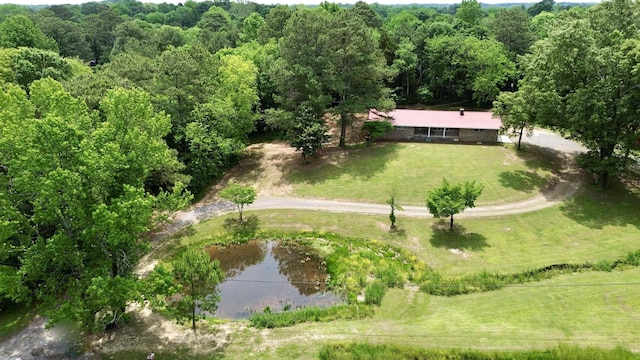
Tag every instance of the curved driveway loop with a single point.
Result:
(570, 180)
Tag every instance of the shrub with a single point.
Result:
(374, 293)
(309, 314)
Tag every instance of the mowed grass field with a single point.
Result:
(369, 174)
(591, 227)
(581, 309)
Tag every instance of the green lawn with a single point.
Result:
(591, 227)
(582, 309)
(368, 174)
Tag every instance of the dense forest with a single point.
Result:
(113, 113)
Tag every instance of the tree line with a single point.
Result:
(113, 113)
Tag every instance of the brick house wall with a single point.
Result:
(481, 135)
(399, 133)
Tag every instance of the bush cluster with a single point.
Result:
(270, 319)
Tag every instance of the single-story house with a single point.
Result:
(442, 126)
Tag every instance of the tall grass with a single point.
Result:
(270, 319)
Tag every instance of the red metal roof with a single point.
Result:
(434, 118)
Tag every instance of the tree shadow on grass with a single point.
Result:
(458, 238)
(242, 230)
(617, 205)
(536, 159)
(359, 163)
(541, 158)
(521, 180)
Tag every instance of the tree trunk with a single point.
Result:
(451, 227)
(240, 211)
(520, 137)
(343, 128)
(605, 153)
(193, 316)
(603, 179)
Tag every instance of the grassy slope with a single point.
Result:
(571, 309)
(591, 227)
(370, 173)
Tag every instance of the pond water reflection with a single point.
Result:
(274, 274)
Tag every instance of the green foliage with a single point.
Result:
(339, 69)
(251, 26)
(239, 195)
(377, 129)
(364, 351)
(197, 277)
(308, 134)
(448, 200)
(540, 7)
(588, 70)
(20, 31)
(521, 110)
(374, 293)
(31, 64)
(468, 67)
(469, 12)
(512, 27)
(394, 207)
(269, 319)
(77, 205)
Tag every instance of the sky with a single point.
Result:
(293, 2)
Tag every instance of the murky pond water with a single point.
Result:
(274, 274)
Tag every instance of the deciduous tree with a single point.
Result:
(512, 27)
(239, 195)
(589, 66)
(77, 210)
(448, 200)
(198, 277)
(521, 110)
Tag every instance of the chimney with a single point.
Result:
(462, 111)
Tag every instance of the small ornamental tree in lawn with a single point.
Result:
(394, 207)
(239, 195)
(448, 200)
(197, 276)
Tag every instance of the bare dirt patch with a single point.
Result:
(461, 253)
(151, 332)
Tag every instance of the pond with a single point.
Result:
(275, 274)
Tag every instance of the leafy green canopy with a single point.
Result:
(74, 205)
(197, 277)
(584, 77)
(239, 195)
(448, 200)
(330, 62)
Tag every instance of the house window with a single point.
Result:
(437, 132)
(420, 131)
(452, 132)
